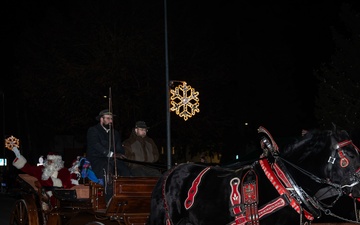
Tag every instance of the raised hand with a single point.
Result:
(16, 151)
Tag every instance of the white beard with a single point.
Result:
(50, 170)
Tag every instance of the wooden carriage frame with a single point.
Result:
(129, 205)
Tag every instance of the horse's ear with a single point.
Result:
(304, 132)
(336, 131)
(334, 127)
(346, 133)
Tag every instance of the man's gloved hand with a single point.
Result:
(16, 151)
(110, 154)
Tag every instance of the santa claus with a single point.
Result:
(51, 174)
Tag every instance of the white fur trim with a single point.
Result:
(19, 162)
(75, 182)
(53, 157)
(56, 182)
(55, 174)
(49, 193)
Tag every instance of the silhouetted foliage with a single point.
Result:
(339, 83)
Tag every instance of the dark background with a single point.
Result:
(285, 66)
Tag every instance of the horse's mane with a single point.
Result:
(312, 144)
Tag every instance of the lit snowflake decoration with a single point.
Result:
(184, 101)
(11, 142)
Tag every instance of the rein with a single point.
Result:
(311, 203)
(304, 198)
(328, 190)
(278, 182)
(148, 164)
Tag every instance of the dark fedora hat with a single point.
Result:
(141, 124)
(104, 112)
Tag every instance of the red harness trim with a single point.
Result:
(166, 207)
(344, 162)
(189, 201)
(348, 142)
(281, 175)
(251, 215)
(235, 199)
(272, 207)
(250, 197)
(264, 130)
(281, 189)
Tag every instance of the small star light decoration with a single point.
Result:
(11, 142)
(184, 101)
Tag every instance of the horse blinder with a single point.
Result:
(344, 161)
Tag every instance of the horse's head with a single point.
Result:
(330, 155)
(343, 165)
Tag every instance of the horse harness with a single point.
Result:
(289, 192)
(285, 184)
(247, 212)
(244, 197)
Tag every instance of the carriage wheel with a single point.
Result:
(24, 213)
(19, 215)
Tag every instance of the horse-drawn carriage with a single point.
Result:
(296, 186)
(84, 203)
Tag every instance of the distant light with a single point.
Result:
(237, 157)
(105, 96)
(246, 124)
(3, 162)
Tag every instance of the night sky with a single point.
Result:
(251, 62)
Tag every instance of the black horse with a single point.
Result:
(296, 185)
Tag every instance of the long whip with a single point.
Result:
(112, 135)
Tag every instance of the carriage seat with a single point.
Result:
(80, 191)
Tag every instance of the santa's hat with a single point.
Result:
(53, 156)
(74, 171)
(76, 162)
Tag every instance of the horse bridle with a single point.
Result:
(344, 161)
(312, 203)
(329, 190)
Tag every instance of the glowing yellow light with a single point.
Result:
(184, 101)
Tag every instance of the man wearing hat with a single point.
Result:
(101, 139)
(140, 147)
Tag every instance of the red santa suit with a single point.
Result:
(60, 178)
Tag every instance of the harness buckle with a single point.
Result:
(331, 160)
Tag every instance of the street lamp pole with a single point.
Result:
(3, 120)
(168, 133)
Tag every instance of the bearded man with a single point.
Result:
(103, 141)
(140, 147)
